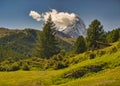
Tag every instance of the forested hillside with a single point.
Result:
(19, 44)
(48, 59)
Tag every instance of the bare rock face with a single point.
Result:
(75, 29)
(62, 35)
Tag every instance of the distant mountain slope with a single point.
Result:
(5, 31)
(23, 41)
(62, 35)
(75, 29)
(20, 41)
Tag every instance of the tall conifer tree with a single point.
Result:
(47, 44)
(80, 45)
(95, 33)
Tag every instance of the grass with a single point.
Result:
(27, 78)
(108, 76)
(110, 61)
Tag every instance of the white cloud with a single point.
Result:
(61, 19)
(35, 15)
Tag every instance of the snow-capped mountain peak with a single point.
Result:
(75, 29)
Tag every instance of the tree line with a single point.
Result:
(48, 54)
(96, 38)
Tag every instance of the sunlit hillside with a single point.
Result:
(102, 70)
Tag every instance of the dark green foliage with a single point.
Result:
(113, 36)
(9, 65)
(47, 45)
(75, 73)
(113, 49)
(18, 43)
(25, 67)
(95, 33)
(57, 61)
(15, 66)
(17, 46)
(35, 63)
(80, 45)
(100, 52)
(63, 60)
(64, 44)
(84, 70)
(59, 65)
(24, 64)
(92, 56)
(5, 32)
(7, 53)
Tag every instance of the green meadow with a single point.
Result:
(102, 70)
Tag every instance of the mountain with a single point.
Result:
(22, 42)
(75, 29)
(62, 35)
(6, 31)
(17, 43)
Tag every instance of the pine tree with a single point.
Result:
(113, 36)
(47, 44)
(95, 33)
(80, 45)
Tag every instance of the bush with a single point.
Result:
(60, 65)
(112, 50)
(90, 55)
(25, 67)
(76, 73)
(100, 52)
(58, 57)
(58, 61)
(2, 68)
(15, 66)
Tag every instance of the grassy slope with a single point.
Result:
(26, 78)
(107, 77)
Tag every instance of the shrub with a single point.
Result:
(92, 56)
(100, 52)
(25, 67)
(112, 50)
(76, 73)
(58, 57)
(60, 65)
(15, 66)
(2, 68)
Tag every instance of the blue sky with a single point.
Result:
(14, 14)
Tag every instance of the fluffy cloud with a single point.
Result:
(61, 19)
(35, 15)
